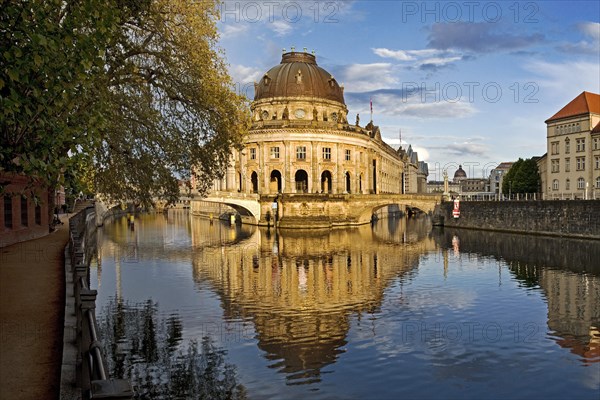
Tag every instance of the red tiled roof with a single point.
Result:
(585, 103)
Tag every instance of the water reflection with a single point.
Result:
(300, 287)
(306, 301)
(566, 270)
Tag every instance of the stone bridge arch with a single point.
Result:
(425, 203)
(247, 205)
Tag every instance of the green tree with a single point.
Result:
(134, 93)
(522, 177)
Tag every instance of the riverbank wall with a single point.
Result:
(569, 218)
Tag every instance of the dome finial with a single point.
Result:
(293, 48)
(283, 51)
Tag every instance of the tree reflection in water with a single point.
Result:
(147, 348)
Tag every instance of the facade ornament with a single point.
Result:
(286, 113)
(357, 119)
(315, 114)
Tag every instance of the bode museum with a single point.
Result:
(306, 162)
(302, 140)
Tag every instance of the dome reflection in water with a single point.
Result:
(393, 309)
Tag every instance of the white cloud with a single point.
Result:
(576, 76)
(280, 27)
(367, 77)
(411, 107)
(229, 31)
(589, 46)
(419, 58)
(242, 74)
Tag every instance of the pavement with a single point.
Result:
(32, 298)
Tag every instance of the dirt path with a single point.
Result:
(31, 316)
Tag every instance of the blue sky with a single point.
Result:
(467, 82)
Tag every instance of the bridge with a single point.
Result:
(302, 210)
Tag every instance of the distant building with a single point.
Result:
(572, 163)
(497, 176)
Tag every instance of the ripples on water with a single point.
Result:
(394, 310)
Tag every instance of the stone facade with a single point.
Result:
(572, 161)
(301, 140)
(557, 218)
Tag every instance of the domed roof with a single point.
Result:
(298, 75)
(460, 173)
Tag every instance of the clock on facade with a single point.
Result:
(299, 113)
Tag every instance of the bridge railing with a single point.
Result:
(91, 374)
(500, 197)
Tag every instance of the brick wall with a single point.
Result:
(23, 210)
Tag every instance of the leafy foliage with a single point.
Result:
(522, 177)
(133, 93)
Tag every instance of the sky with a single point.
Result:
(462, 82)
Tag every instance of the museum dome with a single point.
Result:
(460, 174)
(298, 75)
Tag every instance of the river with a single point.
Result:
(188, 308)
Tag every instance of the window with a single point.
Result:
(274, 152)
(24, 212)
(555, 184)
(554, 148)
(301, 152)
(38, 214)
(567, 164)
(555, 165)
(580, 183)
(580, 163)
(597, 162)
(568, 184)
(8, 212)
(580, 145)
(598, 182)
(348, 155)
(596, 143)
(326, 153)
(253, 154)
(567, 146)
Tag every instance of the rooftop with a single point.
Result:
(583, 104)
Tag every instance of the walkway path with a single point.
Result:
(31, 316)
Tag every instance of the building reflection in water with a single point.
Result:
(300, 288)
(566, 270)
(302, 291)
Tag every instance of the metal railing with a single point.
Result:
(91, 373)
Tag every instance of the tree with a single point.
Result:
(134, 92)
(522, 177)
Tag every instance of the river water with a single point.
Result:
(190, 309)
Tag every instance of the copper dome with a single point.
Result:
(298, 75)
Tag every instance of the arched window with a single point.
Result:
(254, 180)
(580, 183)
(568, 184)
(347, 180)
(555, 184)
(326, 182)
(275, 185)
(301, 179)
(567, 146)
(598, 182)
